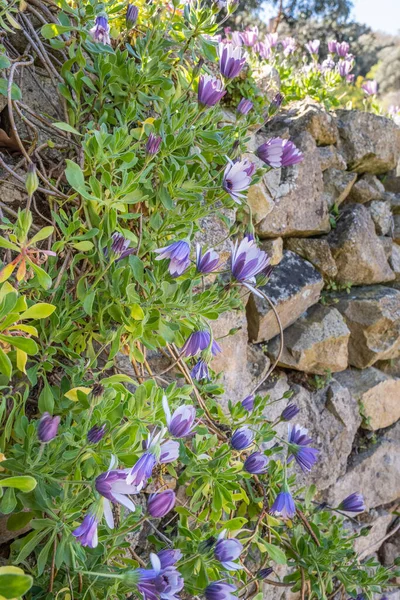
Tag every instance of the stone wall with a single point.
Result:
(332, 226)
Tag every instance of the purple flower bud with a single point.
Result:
(96, 433)
(119, 247)
(236, 38)
(250, 36)
(275, 104)
(101, 30)
(332, 45)
(237, 178)
(169, 451)
(210, 90)
(263, 50)
(231, 61)
(226, 551)
(256, 463)
(272, 39)
(132, 14)
(289, 412)
(248, 403)
(342, 49)
(48, 427)
(353, 503)
(244, 106)
(161, 503)
(344, 67)
(220, 590)
(247, 260)
(313, 47)
(178, 254)
(200, 371)
(277, 153)
(264, 573)
(370, 87)
(208, 262)
(199, 341)
(142, 470)
(86, 533)
(169, 557)
(242, 438)
(180, 424)
(299, 441)
(153, 144)
(284, 505)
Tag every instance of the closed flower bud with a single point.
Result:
(132, 14)
(242, 438)
(161, 503)
(31, 181)
(48, 427)
(248, 403)
(98, 390)
(153, 144)
(220, 590)
(96, 433)
(289, 412)
(169, 557)
(263, 573)
(256, 463)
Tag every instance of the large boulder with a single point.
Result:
(316, 343)
(375, 472)
(373, 316)
(293, 287)
(300, 208)
(381, 215)
(316, 251)
(337, 185)
(377, 393)
(330, 158)
(370, 143)
(357, 250)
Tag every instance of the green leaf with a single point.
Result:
(51, 30)
(26, 344)
(38, 311)
(44, 553)
(24, 483)
(15, 91)
(41, 235)
(43, 278)
(66, 127)
(275, 553)
(74, 175)
(235, 524)
(19, 520)
(88, 303)
(83, 246)
(121, 378)
(4, 62)
(46, 399)
(14, 583)
(5, 364)
(8, 245)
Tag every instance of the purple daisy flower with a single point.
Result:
(231, 61)
(244, 106)
(227, 551)
(344, 67)
(236, 38)
(200, 371)
(256, 463)
(263, 50)
(370, 87)
(284, 505)
(220, 590)
(153, 144)
(299, 441)
(119, 247)
(342, 49)
(353, 503)
(210, 90)
(86, 533)
(313, 47)
(208, 262)
(249, 36)
(169, 451)
(141, 470)
(101, 30)
(289, 46)
(248, 402)
(272, 39)
(48, 427)
(277, 153)
(332, 44)
(199, 341)
(242, 438)
(178, 255)
(237, 178)
(160, 504)
(247, 260)
(180, 424)
(115, 488)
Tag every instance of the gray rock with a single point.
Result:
(330, 158)
(377, 393)
(394, 261)
(293, 287)
(378, 521)
(394, 200)
(396, 228)
(392, 184)
(367, 188)
(387, 244)
(316, 251)
(375, 473)
(370, 143)
(240, 364)
(337, 185)
(390, 550)
(274, 249)
(373, 316)
(357, 250)
(300, 208)
(381, 215)
(316, 343)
